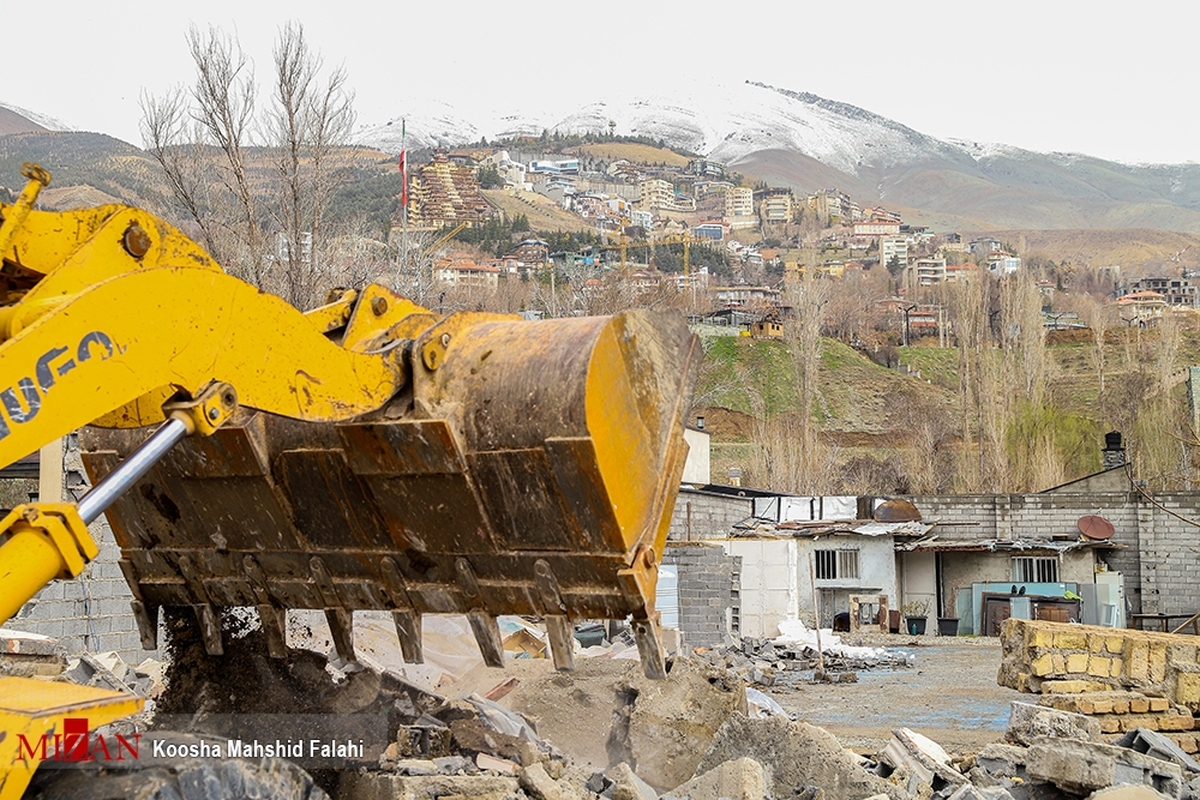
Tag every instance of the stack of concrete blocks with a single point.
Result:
(91, 612)
(708, 588)
(1125, 679)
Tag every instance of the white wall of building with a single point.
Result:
(769, 583)
(697, 469)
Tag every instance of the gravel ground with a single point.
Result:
(950, 695)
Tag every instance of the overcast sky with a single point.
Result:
(1110, 80)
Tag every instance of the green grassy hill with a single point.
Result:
(885, 420)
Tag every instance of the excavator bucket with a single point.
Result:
(527, 467)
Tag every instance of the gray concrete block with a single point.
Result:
(1027, 722)
(1084, 767)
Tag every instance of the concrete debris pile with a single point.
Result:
(702, 733)
(793, 657)
(30, 655)
(1124, 679)
(109, 670)
(1055, 753)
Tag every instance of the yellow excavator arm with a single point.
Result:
(367, 454)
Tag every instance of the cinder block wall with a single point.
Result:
(707, 591)
(1157, 664)
(712, 516)
(1156, 553)
(90, 612)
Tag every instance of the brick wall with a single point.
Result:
(709, 583)
(1037, 653)
(90, 612)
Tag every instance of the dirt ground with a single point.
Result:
(950, 695)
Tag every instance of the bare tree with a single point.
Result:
(166, 126)
(306, 120)
(203, 139)
(223, 98)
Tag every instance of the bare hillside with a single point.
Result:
(12, 122)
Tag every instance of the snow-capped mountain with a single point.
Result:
(49, 123)
(722, 121)
(796, 139)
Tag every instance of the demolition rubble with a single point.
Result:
(1110, 716)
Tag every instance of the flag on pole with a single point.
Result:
(404, 178)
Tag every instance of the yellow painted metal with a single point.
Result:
(334, 314)
(16, 214)
(71, 251)
(40, 542)
(30, 709)
(378, 311)
(118, 340)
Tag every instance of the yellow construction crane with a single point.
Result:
(624, 246)
(368, 454)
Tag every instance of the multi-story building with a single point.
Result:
(983, 246)
(928, 271)
(1175, 291)
(745, 296)
(739, 207)
(703, 168)
(443, 192)
(834, 206)
(709, 230)
(876, 227)
(775, 205)
(1003, 264)
(710, 188)
(893, 247)
(465, 273)
(656, 193)
(568, 166)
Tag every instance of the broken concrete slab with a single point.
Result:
(423, 741)
(29, 655)
(493, 764)
(666, 727)
(742, 779)
(626, 785)
(794, 754)
(1002, 760)
(1083, 767)
(538, 784)
(367, 785)
(1156, 745)
(970, 792)
(923, 759)
(1027, 722)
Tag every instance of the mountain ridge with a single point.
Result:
(807, 142)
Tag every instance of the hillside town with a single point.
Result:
(729, 250)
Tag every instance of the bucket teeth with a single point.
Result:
(562, 642)
(408, 628)
(487, 636)
(210, 629)
(341, 628)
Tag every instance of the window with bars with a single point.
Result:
(835, 564)
(1035, 569)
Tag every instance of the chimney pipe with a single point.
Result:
(1113, 452)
